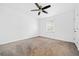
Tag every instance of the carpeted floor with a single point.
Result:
(39, 46)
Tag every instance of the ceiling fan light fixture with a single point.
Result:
(41, 9)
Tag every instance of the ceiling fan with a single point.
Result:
(41, 9)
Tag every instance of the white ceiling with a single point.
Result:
(24, 8)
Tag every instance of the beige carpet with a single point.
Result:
(39, 46)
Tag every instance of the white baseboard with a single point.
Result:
(1, 43)
(77, 45)
(31, 37)
(57, 38)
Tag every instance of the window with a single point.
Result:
(50, 26)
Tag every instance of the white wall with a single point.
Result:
(76, 34)
(63, 26)
(17, 22)
(15, 25)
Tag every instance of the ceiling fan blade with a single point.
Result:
(35, 10)
(46, 7)
(39, 13)
(45, 12)
(37, 5)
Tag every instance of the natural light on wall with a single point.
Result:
(50, 26)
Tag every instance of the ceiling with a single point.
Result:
(24, 8)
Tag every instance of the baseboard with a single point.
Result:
(1, 43)
(57, 38)
(31, 37)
